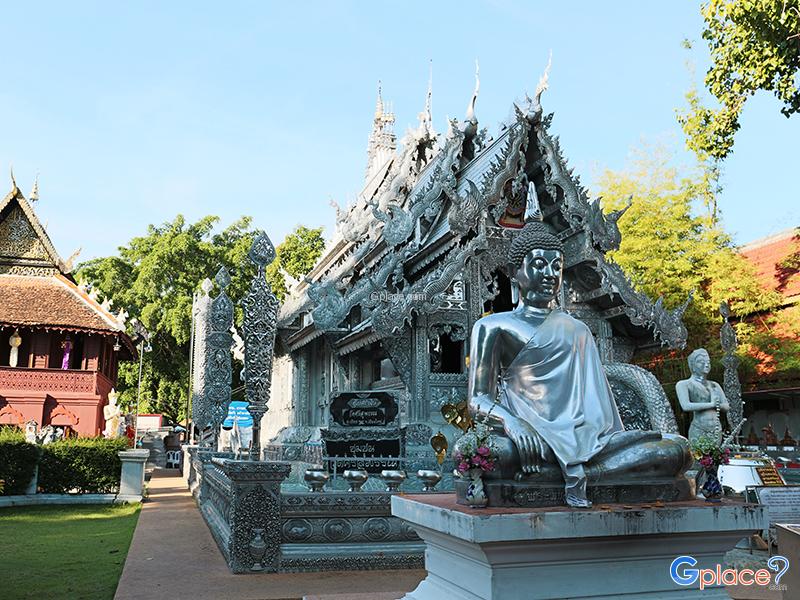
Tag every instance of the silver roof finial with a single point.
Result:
(471, 106)
(34, 196)
(543, 81)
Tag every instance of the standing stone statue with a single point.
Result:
(703, 398)
(536, 377)
(111, 413)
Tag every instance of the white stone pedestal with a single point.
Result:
(131, 483)
(789, 546)
(34, 483)
(619, 552)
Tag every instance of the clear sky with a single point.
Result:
(134, 112)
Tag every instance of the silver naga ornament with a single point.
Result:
(260, 323)
(218, 365)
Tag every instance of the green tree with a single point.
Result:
(755, 45)
(668, 250)
(154, 278)
(296, 255)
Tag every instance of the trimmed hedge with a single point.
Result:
(86, 465)
(18, 461)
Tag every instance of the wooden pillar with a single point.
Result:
(40, 350)
(91, 353)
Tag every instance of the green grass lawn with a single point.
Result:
(64, 552)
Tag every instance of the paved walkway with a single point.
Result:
(173, 556)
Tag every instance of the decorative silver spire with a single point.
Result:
(382, 140)
(429, 99)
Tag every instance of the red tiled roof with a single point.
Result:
(765, 253)
(52, 303)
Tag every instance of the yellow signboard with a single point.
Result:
(770, 476)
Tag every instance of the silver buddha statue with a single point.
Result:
(536, 378)
(704, 399)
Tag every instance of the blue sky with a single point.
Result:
(134, 113)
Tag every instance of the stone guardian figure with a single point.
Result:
(703, 399)
(111, 413)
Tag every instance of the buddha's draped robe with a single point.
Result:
(557, 383)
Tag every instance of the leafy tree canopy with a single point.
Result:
(755, 45)
(669, 250)
(296, 255)
(154, 278)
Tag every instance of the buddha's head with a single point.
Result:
(699, 362)
(535, 261)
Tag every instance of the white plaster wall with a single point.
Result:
(280, 410)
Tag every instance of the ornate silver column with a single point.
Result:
(301, 396)
(218, 362)
(730, 362)
(201, 416)
(260, 320)
(418, 406)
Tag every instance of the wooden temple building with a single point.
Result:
(59, 347)
(772, 395)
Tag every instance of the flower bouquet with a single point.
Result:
(710, 454)
(475, 454)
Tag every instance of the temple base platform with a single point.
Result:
(608, 551)
(535, 494)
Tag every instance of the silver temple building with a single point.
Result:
(418, 258)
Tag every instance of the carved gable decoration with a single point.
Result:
(25, 248)
(18, 239)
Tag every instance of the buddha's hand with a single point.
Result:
(529, 443)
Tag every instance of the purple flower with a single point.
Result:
(483, 451)
(463, 466)
(476, 460)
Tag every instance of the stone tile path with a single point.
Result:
(173, 555)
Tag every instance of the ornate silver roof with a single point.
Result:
(441, 203)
